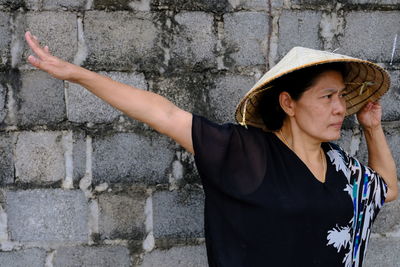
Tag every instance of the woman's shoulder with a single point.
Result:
(201, 123)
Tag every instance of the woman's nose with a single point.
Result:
(339, 105)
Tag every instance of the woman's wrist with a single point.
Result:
(77, 74)
(372, 130)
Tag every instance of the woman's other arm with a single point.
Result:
(380, 158)
(150, 108)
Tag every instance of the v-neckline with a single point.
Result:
(305, 165)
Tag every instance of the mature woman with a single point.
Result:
(277, 192)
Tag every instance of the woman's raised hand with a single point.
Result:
(370, 115)
(45, 61)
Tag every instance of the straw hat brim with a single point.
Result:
(365, 82)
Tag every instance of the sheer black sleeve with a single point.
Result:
(229, 157)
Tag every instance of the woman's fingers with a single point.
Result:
(34, 61)
(34, 45)
(45, 61)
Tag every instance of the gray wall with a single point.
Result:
(83, 185)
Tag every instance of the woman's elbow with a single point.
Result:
(392, 194)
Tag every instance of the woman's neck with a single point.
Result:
(304, 145)
(307, 148)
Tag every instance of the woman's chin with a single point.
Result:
(332, 136)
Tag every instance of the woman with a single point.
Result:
(277, 193)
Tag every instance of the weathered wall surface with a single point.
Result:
(83, 185)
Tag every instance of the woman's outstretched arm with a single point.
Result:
(380, 158)
(150, 108)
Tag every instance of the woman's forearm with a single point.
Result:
(139, 104)
(150, 108)
(381, 160)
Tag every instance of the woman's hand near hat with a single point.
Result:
(379, 156)
(145, 106)
(370, 115)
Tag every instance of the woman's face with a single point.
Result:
(320, 111)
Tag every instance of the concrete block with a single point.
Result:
(39, 157)
(6, 159)
(47, 216)
(58, 30)
(184, 171)
(32, 257)
(122, 214)
(388, 219)
(298, 28)
(12, 4)
(350, 122)
(5, 40)
(246, 37)
(370, 35)
(32, 4)
(64, 4)
(130, 157)
(194, 5)
(78, 154)
(140, 5)
(362, 154)
(195, 42)
(383, 251)
(178, 214)
(373, 2)
(225, 95)
(277, 4)
(391, 100)
(40, 100)
(188, 91)
(248, 4)
(344, 142)
(392, 137)
(108, 256)
(121, 40)
(111, 5)
(3, 108)
(83, 106)
(315, 3)
(189, 256)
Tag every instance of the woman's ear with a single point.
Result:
(287, 103)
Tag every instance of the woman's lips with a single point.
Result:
(337, 125)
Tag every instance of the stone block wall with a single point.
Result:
(84, 185)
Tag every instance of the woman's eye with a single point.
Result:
(327, 96)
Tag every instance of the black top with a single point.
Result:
(264, 207)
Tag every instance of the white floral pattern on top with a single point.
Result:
(339, 237)
(368, 192)
(339, 162)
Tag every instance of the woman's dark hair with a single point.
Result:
(295, 83)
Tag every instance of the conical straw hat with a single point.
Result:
(365, 82)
